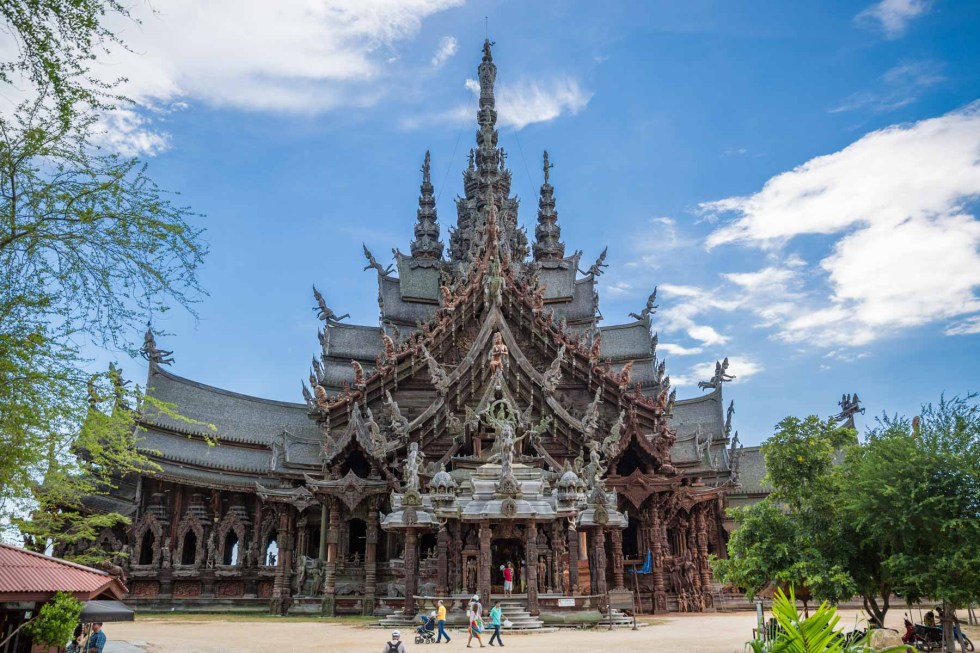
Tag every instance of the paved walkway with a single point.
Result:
(708, 633)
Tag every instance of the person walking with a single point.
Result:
(475, 614)
(96, 641)
(441, 620)
(509, 579)
(396, 645)
(495, 614)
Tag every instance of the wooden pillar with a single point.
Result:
(328, 607)
(657, 536)
(572, 561)
(616, 537)
(371, 560)
(411, 570)
(281, 596)
(599, 555)
(483, 564)
(703, 563)
(442, 560)
(531, 553)
(322, 554)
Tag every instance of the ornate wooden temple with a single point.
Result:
(487, 419)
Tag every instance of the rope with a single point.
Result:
(450, 164)
(526, 169)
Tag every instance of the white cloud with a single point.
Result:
(448, 46)
(129, 133)
(532, 101)
(678, 350)
(518, 105)
(898, 87)
(906, 252)
(679, 316)
(743, 367)
(893, 16)
(305, 57)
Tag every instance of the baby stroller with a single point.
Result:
(426, 632)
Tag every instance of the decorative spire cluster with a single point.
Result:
(547, 235)
(427, 244)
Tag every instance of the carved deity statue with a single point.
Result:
(552, 376)
(542, 575)
(322, 401)
(413, 463)
(316, 582)
(300, 574)
(165, 554)
(212, 551)
(324, 312)
(610, 445)
(498, 354)
(470, 575)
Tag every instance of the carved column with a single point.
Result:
(322, 554)
(572, 561)
(411, 570)
(531, 552)
(371, 560)
(702, 537)
(616, 537)
(599, 554)
(328, 607)
(483, 564)
(657, 537)
(442, 561)
(281, 597)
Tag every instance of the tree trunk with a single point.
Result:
(875, 612)
(948, 629)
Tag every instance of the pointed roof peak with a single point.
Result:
(427, 243)
(547, 235)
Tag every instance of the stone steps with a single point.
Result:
(616, 617)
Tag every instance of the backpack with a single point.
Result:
(393, 646)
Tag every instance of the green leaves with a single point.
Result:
(56, 620)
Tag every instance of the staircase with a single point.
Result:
(515, 610)
(615, 617)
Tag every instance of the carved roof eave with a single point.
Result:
(299, 497)
(351, 489)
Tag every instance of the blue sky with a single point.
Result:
(799, 178)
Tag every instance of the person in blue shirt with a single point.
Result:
(96, 641)
(495, 614)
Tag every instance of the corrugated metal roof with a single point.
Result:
(25, 574)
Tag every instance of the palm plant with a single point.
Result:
(814, 634)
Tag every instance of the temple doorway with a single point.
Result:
(503, 551)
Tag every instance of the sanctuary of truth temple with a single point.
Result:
(486, 419)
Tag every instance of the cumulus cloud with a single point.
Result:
(303, 57)
(893, 16)
(743, 367)
(448, 46)
(906, 249)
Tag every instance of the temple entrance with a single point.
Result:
(503, 551)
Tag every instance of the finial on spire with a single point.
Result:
(427, 243)
(547, 235)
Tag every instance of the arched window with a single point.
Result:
(271, 551)
(231, 549)
(188, 554)
(146, 548)
(356, 538)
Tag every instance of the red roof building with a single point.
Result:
(29, 576)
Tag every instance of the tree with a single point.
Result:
(915, 493)
(54, 623)
(55, 42)
(90, 247)
(797, 535)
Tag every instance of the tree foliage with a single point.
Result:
(899, 512)
(90, 247)
(56, 620)
(56, 41)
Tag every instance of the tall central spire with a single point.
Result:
(486, 136)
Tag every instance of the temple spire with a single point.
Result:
(547, 235)
(427, 243)
(486, 135)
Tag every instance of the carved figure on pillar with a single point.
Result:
(412, 463)
(498, 354)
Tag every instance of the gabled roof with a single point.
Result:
(29, 576)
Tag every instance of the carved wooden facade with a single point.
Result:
(487, 419)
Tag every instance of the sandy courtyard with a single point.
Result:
(713, 633)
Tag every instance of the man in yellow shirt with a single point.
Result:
(441, 620)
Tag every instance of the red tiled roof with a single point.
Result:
(29, 576)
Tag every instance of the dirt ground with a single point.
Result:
(709, 633)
